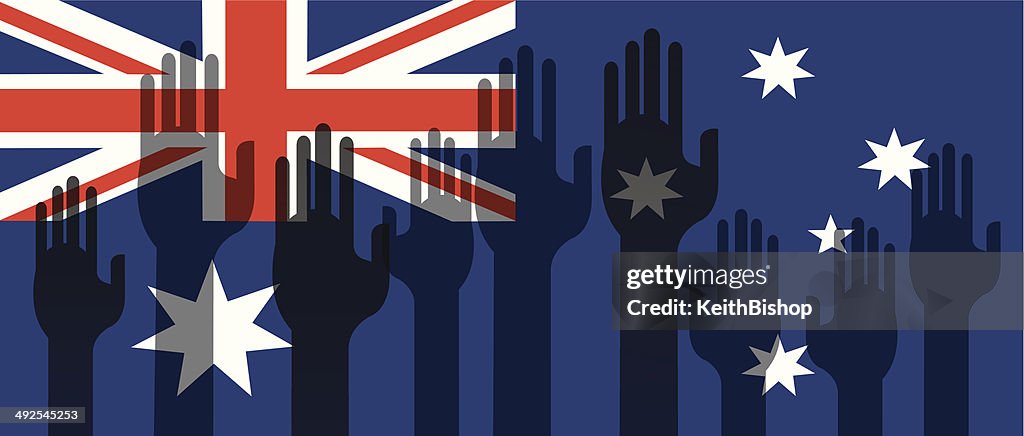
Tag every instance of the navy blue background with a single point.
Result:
(944, 72)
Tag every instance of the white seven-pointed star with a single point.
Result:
(213, 331)
(831, 237)
(894, 160)
(778, 366)
(778, 69)
(647, 190)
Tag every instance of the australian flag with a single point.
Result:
(316, 217)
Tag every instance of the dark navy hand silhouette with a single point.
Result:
(324, 289)
(727, 347)
(433, 259)
(174, 211)
(858, 345)
(549, 212)
(652, 195)
(73, 305)
(947, 294)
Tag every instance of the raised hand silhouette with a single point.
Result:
(858, 345)
(73, 305)
(171, 211)
(179, 213)
(433, 259)
(549, 212)
(652, 195)
(725, 341)
(324, 289)
(942, 245)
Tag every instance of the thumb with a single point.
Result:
(117, 273)
(381, 252)
(814, 319)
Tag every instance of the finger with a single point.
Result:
(890, 275)
(506, 97)
(434, 172)
(147, 105)
(838, 274)
(933, 183)
(211, 94)
(243, 186)
(916, 198)
(741, 243)
(380, 251)
(992, 237)
(73, 198)
(91, 227)
(967, 191)
(57, 222)
(632, 79)
(652, 73)
(466, 191)
(347, 186)
(872, 258)
(814, 319)
(675, 89)
(40, 232)
(188, 86)
(322, 170)
(483, 113)
(857, 252)
(415, 172)
(756, 243)
(723, 244)
(949, 178)
(524, 91)
(449, 166)
(773, 258)
(582, 175)
(611, 96)
(548, 96)
(168, 82)
(281, 190)
(117, 274)
(302, 151)
(390, 218)
(709, 152)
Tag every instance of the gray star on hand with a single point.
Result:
(647, 190)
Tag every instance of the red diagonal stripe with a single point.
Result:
(117, 177)
(437, 178)
(73, 42)
(417, 33)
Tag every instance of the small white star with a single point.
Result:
(647, 190)
(778, 366)
(894, 160)
(778, 69)
(831, 236)
(213, 331)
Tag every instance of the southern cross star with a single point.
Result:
(894, 160)
(213, 331)
(831, 236)
(778, 69)
(647, 190)
(778, 366)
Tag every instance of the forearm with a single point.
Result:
(181, 274)
(319, 385)
(860, 407)
(437, 361)
(648, 370)
(522, 344)
(70, 383)
(946, 381)
(743, 405)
